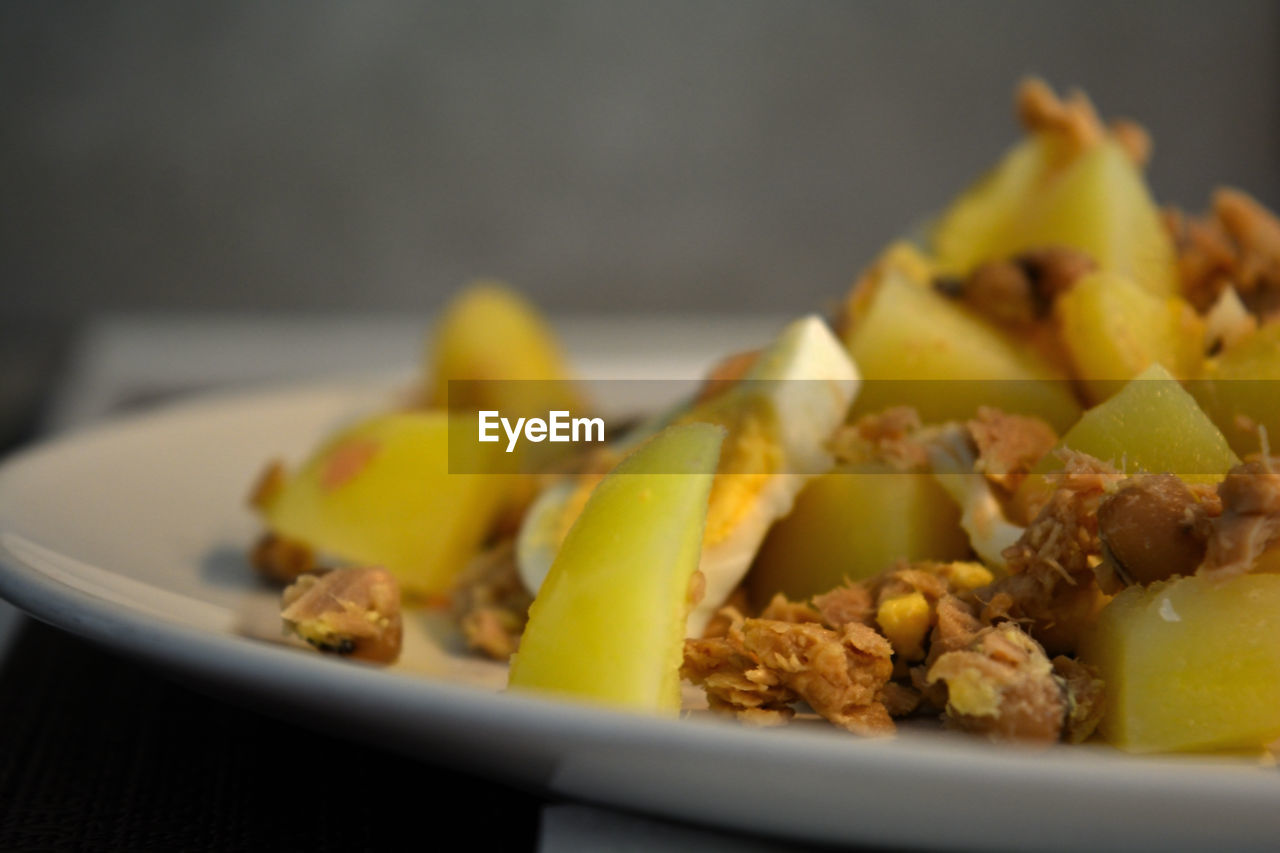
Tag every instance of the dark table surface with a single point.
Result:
(100, 753)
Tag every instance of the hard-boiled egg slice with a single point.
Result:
(779, 417)
(952, 459)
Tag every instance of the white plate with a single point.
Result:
(133, 533)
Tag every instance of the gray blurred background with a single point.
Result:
(656, 156)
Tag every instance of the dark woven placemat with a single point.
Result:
(100, 753)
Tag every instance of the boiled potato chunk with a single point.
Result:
(1102, 206)
(908, 333)
(981, 222)
(1114, 329)
(608, 623)
(1190, 664)
(854, 522)
(1151, 425)
(1241, 390)
(899, 259)
(380, 493)
(492, 335)
(1043, 193)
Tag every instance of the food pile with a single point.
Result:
(1021, 481)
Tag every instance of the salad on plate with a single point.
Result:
(1019, 481)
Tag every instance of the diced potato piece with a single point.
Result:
(503, 357)
(1043, 193)
(900, 259)
(1152, 425)
(980, 223)
(493, 335)
(1114, 329)
(1101, 205)
(380, 493)
(608, 623)
(908, 332)
(1241, 390)
(1190, 664)
(854, 522)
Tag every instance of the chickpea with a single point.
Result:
(1150, 531)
